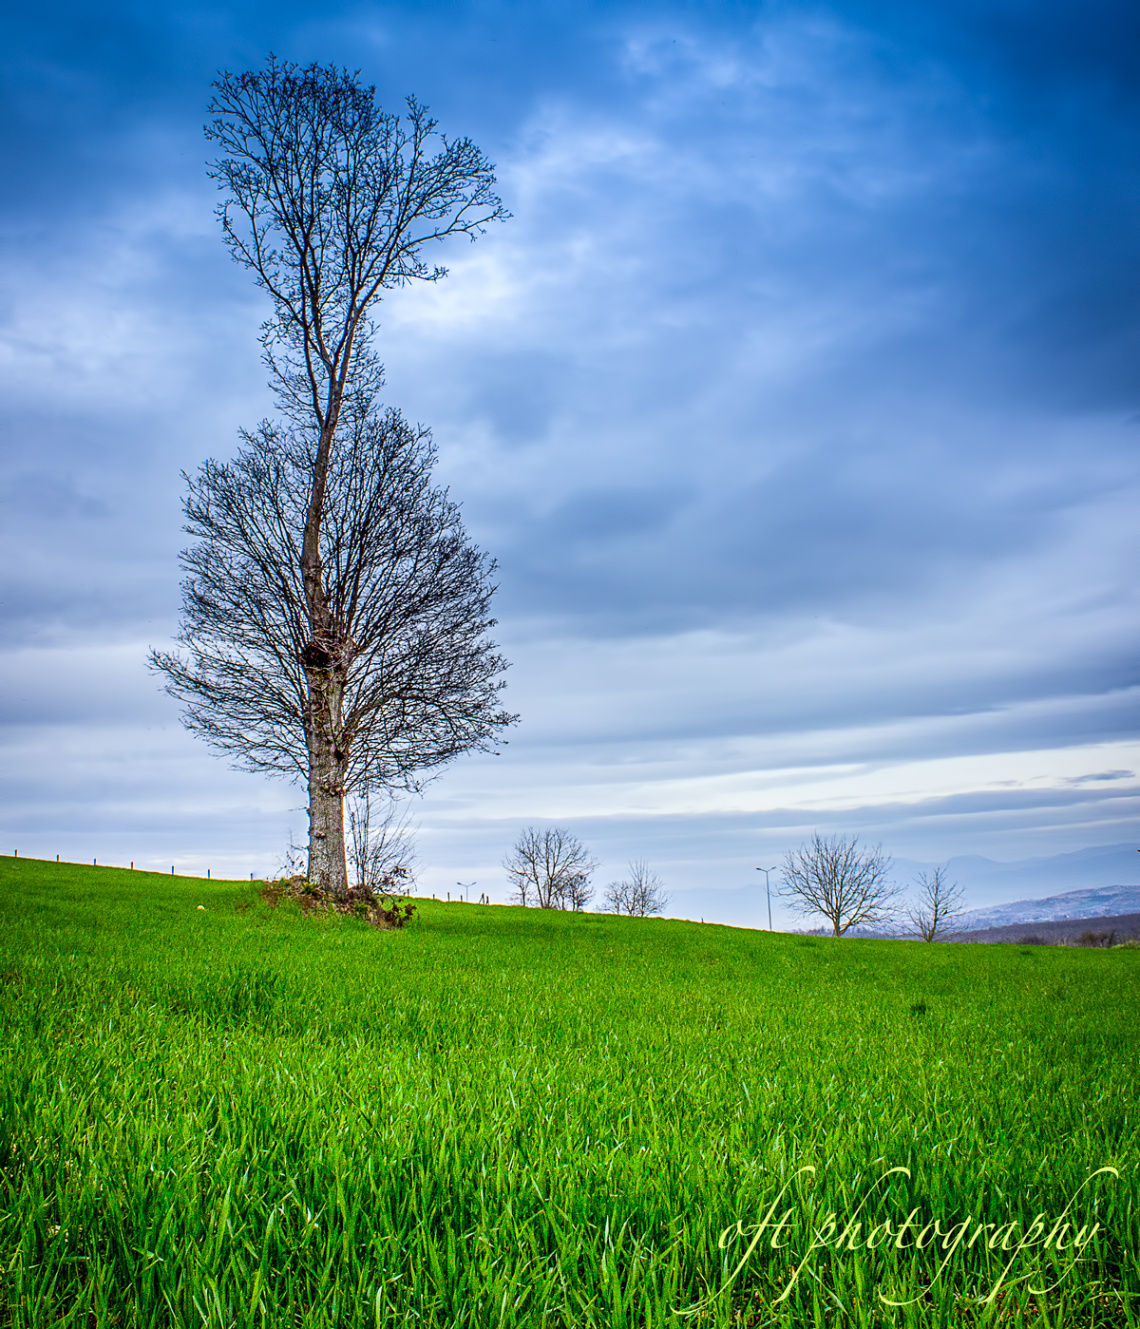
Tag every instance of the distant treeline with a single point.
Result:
(1105, 930)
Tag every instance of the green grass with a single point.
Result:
(231, 1116)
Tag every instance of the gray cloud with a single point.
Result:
(798, 402)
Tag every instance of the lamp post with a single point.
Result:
(465, 886)
(768, 891)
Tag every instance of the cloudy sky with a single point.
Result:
(798, 401)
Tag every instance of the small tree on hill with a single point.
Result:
(833, 877)
(938, 907)
(642, 893)
(550, 868)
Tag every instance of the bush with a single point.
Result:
(1090, 938)
(379, 909)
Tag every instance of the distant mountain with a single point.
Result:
(988, 883)
(1098, 901)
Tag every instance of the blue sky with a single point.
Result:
(799, 402)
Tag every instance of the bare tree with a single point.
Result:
(833, 877)
(938, 907)
(550, 867)
(329, 202)
(381, 849)
(577, 892)
(640, 894)
(416, 679)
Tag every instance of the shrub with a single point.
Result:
(380, 909)
(1090, 938)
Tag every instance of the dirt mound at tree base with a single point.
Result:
(377, 908)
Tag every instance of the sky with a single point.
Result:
(798, 401)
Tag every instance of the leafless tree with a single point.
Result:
(640, 894)
(938, 907)
(550, 868)
(329, 201)
(381, 848)
(416, 679)
(833, 877)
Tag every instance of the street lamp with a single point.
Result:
(768, 890)
(465, 886)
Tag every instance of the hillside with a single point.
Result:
(215, 1112)
(1058, 932)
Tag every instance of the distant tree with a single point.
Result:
(329, 202)
(640, 894)
(834, 878)
(550, 868)
(416, 680)
(577, 892)
(937, 908)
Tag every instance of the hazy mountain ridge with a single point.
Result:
(991, 884)
(1096, 902)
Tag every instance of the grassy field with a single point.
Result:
(214, 1113)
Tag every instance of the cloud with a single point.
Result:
(797, 402)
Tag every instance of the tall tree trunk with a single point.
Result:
(328, 765)
(328, 865)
